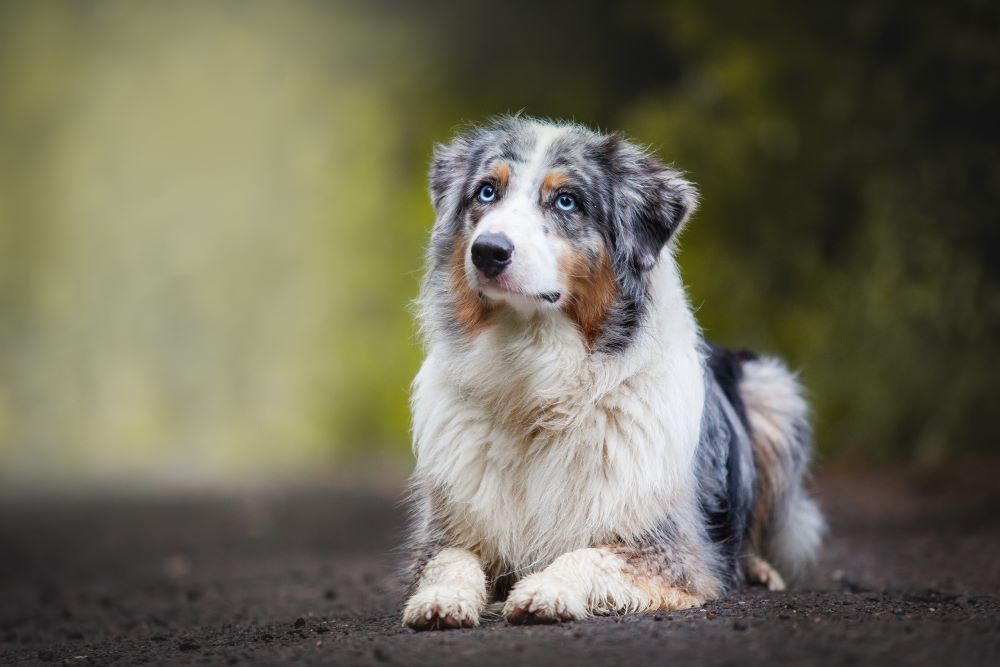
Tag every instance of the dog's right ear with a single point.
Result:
(448, 169)
(448, 173)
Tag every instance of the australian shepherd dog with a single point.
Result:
(580, 447)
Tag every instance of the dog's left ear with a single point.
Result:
(652, 203)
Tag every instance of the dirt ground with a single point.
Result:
(910, 575)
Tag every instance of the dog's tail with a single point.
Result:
(788, 526)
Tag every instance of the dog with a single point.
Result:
(580, 448)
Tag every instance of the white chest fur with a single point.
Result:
(533, 447)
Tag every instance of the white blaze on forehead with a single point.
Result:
(534, 268)
(533, 171)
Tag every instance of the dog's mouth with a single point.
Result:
(551, 297)
(503, 286)
(548, 297)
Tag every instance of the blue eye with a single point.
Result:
(566, 202)
(487, 193)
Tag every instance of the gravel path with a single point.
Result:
(911, 575)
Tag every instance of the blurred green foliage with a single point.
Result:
(212, 215)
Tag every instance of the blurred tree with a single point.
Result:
(849, 172)
(212, 215)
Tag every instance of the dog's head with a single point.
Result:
(537, 216)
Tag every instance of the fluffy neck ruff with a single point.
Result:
(533, 444)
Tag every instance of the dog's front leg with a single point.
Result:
(609, 579)
(450, 593)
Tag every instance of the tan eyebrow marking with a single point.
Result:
(501, 172)
(554, 180)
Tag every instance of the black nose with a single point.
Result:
(491, 254)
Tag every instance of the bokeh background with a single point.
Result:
(212, 214)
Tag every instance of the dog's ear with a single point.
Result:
(449, 167)
(652, 203)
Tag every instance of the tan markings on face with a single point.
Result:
(592, 290)
(472, 312)
(553, 182)
(501, 174)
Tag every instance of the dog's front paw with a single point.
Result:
(538, 600)
(442, 608)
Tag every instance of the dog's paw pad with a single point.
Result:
(541, 602)
(442, 609)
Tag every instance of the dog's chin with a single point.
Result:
(521, 299)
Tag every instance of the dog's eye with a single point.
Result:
(487, 193)
(566, 202)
